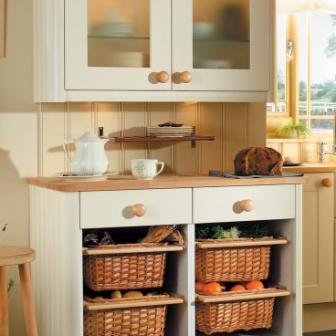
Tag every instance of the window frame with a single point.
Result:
(296, 115)
(292, 83)
(274, 105)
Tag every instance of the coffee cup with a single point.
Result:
(144, 169)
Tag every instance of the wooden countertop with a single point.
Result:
(161, 182)
(307, 168)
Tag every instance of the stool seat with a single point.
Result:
(13, 255)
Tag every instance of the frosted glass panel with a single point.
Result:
(118, 33)
(221, 31)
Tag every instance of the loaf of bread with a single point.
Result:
(258, 161)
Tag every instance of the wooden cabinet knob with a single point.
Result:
(327, 182)
(162, 77)
(185, 77)
(246, 205)
(138, 210)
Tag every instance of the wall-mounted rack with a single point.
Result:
(168, 139)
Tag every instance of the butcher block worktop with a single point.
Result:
(161, 182)
(308, 168)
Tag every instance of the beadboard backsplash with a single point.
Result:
(235, 126)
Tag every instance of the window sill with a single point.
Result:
(298, 140)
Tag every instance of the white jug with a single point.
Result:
(90, 157)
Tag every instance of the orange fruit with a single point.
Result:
(238, 288)
(213, 288)
(199, 286)
(254, 285)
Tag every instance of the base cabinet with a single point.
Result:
(318, 238)
(59, 222)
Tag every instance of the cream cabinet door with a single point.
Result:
(117, 45)
(221, 45)
(318, 239)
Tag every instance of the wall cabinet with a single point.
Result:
(318, 238)
(158, 50)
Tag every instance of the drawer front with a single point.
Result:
(135, 208)
(244, 203)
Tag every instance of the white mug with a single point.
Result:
(144, 169)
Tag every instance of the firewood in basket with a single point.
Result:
(157, 234)
(175, 237)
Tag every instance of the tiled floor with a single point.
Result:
(324, 333)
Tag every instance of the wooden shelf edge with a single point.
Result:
(161, 139)
(145, 302)
(243, 296)
(247, 243)
(130, 250)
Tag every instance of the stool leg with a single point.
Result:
(3, 302)
(28, 300)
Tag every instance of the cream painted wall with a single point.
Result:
(18, 140)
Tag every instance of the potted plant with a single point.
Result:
(293, 131)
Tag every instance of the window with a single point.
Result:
(280, 107)
(316, 43)
(308, 93)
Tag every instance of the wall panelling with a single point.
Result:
(235, 125)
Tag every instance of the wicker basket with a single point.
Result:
(138, 317)
(233, 312)
(129, 266)
(229, 317)
(234, 260)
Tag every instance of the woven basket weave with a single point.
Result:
(143, 321)
(125, 271)
(233, 263)
(232, 316)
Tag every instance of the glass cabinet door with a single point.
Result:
(118, 44)
(118, 33)
(224, 45)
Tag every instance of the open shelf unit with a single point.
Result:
(181, 306)
(281, 283)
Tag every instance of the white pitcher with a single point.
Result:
(90, 157)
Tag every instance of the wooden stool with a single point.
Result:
(10, 256)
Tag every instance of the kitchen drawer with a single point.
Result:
(125, 208)
(243, 203)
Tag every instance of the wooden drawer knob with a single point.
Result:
(185, 77)
(138, 210)
(246, 205)
(327, 182)
(162, 77)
